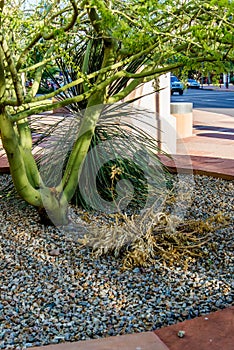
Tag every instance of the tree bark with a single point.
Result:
(14, 151)
(25, 174)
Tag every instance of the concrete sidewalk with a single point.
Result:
(210, 150)
(213, 135)
(221, 87)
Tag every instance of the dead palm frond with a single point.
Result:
(155, 236)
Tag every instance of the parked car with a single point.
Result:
(193, 84)
(176, 85)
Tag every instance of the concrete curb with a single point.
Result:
(217, 88)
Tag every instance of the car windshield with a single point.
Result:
(173, 78)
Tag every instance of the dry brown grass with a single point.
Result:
(141, 240)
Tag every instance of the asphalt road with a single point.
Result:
(216, 101)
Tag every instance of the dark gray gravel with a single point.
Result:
(53, 290)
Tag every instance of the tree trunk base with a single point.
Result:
(47, 220)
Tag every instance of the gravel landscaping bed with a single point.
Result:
(52, 289)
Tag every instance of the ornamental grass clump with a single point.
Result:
(141, 240)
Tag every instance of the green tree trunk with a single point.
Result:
(24, 175)
(17, 143)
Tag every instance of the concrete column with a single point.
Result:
(166, 124)
(183, 113)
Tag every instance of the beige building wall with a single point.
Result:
(161, 124)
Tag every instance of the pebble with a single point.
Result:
(181, 334)
(52, 289)
(55, 252)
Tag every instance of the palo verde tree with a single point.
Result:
(136, 41)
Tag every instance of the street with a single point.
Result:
(212, 101)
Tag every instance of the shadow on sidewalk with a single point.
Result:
(217, 135)
(213, 128)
